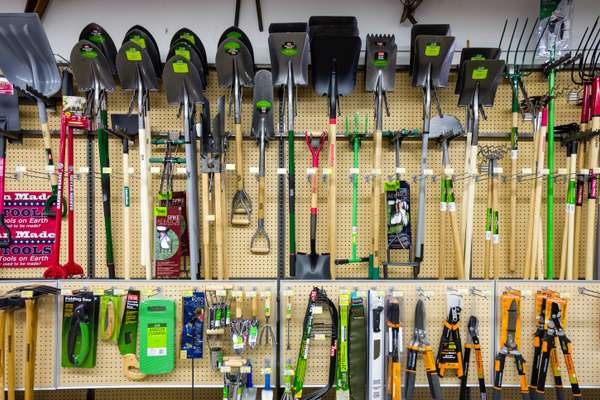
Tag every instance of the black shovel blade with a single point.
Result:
(432, 53)
(184, 48)
(312, 266)
(233, 32)
(425, 29)
(191, 37)
(483, 75)
(97, 35)
(144, 39)
(133, 61)
(90, 66)
(181, 76)
(337, 54)
(475, 53)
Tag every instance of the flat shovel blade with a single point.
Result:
(312, 266)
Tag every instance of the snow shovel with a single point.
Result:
(136, 73)
(235, 69)
(93, 73)
(288, 46)
(28, 63)
(380, 78)
(183, 84)
(263, 131)
(314, 265)
(335, 49)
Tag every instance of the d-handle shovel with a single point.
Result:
(260, 243)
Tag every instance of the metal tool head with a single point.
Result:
(425, 29)
(454, 305)
(234, 58)
(420, 316)
(262, 117)
(288, 44)
(134, 63)
(140, 35)
(432, 55)
(189, 36)
(184, 48)
(27, 59)
(511, 327)
(91, 67)
(233, 32)
(475, 53)
(36, 290)
(181, 78)
(380, 62)
(445, 126)
(97, 35)
(473, 326)
(483, 75)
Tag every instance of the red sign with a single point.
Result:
(32, 233)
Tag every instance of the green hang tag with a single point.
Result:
(263, 105)
(381, 59)
(479, 73)
(478, 57)
(157, 339)
(160, 211)
(88, 52)
(432, 49)
(289, 49)
(183, 52)
(189, 37)
(140, 41)
(164, 196)
(234, 35)
(180, 67)
(97, 37)
(133, 54)
(232, 48)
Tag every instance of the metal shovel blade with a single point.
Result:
(181, 75)
(133, 61)
(184, 48)
(140, 35)
(312, 266)
(288, 43)
(90, 66)
(27, 58)
(380, 59)
(97, 35)
(262, 117)
(232, 52)
(444, 126)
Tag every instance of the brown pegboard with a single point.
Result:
(436, 313)
(108, 371)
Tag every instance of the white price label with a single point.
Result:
(20, 169)
(107, 170)
(236, 294)
(545, 172)
(155, 170)
(288, 292)
(498, 170)
(397, 293)
(66, 292)
(221, 292)
(514, 154)
(449, 171)
(229, 167)
(428, 172)
(496, 239)
(596, 170)
(326, 171)
(452, 206)
(584, 172)
(443, 206)
(210, 217)
(251, 294)
(50, 169)
(180, 171)
(376, 171)
(253, 170)
(488, 235)
(225, 369)
(317, 310)
(320, 337)
(561, 171)
(354, 171)
(400, 170)
(526, 171)
(84, 170)
(281, 171)
(311, 171)
(131, 170)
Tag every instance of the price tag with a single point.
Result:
(225, 369)
(400, 170)
(545, 172)
(428, 172)
(180, 171)
(514, 154)
(155, 170)
(596, 170)
(246, 369)
(526, 292)
(452, 206)
(361, 293)
(289, 372)
(317, 310)
(526, 171)
(210, 217)
(66, 292)
(148, 292)
(326, 171)
(221, 292)
(236, 294)
(20, 169)
(118, 292)
(253, 170)
(99, 291)
(449, 171)
(584, 172)
(50, 169)
(496, 239)
(288, 292)
(131, 170)
(319, 337)
(265, 371)
(498, 170)
(397, 293)
(354, 171)
(229, 167)
(251, 294)
(311, 171)
(27, 294)
(376, 171)
(561, 171)
(84, 170)
(264, 295)
(281, 171)
(107, 170)
(188, 293)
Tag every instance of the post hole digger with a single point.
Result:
(288, 47)
(431, 57)
(335, 48)
(263, 131)
(136, 65)
(72, 117)
(235, 69)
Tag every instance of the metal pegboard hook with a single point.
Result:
(422, 294)
(588, 292)
(473, 291)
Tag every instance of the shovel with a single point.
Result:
(28, 63)
(262, 129)
(97, 35)
(249, 392)
(235, 69)
(313, 265)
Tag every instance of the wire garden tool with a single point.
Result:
(212, 158)
(318, 299)
(449, 356)
(267, 333)
(393, 388)
(334, 47)
(72, 117)
(421, 345)
(288, 47)
(185, 79)
(554, 328)
(477, 86)
(259, 18)
(473, 344)
(235, 69)
(376, 375)
(37, 76)
(263, 131)
(355, 139)
(380, 68)
(510, 341)
(431, 56)
(138, 66)
(313, 265)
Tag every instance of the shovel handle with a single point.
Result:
(239, 156)
(332, 209)
(30, 316)
(255, 305)
(126, 218)
(206, 259)
(10, 354)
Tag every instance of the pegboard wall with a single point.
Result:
(406, 112)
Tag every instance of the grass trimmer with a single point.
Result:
(235, 69)
(263, 131)
(380, 77)
(288, 46)
(28, 63)
(136, 65)
(314, 265)
(335, 48)
(431, 57)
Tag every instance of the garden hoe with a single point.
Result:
(184, 81)
(263, 131)
(28, 63)
(335, 48)
(380, 78)
(136, 65)
(93, 72)
(235, 69)
(288, 46)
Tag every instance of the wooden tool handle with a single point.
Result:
(29, 348)
(255, 305)
(10, 354)
(458, 246)
(377, 192)
(488, 240)
(470, 202)
(512, 261)
(579, 209)
(206, 259)
(495, 228)
(145, 206)
(239, 156)
(239, 305)
(126, 219)
(331, 227)
(219, 226)
(590, 232)
(529, 257)
(267, 306)
(442, 232)
(2, 352)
